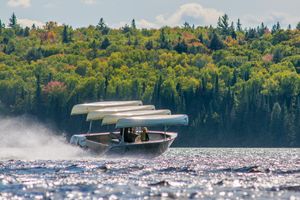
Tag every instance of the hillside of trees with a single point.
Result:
(240, 86)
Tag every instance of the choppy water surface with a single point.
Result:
(180, 173)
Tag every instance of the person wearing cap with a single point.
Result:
(144, 135)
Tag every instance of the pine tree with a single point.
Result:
(274, 29)
(261, 29)
(105, 43)
(232, 31)
(38, 96)
(102, 27)
(164, 42)
(149, 45)
(129, 41)
(276, 125)
(181, 46)
(200, 37)
(215, 42)
(10, 47)
(239, 26)
(126, 29)
(101, 24)
(26, 31)
(251, 34)
(13, 21)
(34, 54)
(136, 42)
(186, 25)
(2, 26)
(278, 27)
(94, 49)
(223, 24)
(277, 55)
(298, 26)
(133, 26)
(66, 35)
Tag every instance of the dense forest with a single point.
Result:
(240, 86)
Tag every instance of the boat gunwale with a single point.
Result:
(172, 136)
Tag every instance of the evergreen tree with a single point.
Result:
(136, 42)
(93, 52)
(164, 42)
(261, 30)
(66, 36)
(156, 98)
(223, 24)
(38, 96)
(277, 55)
(239, 26)
(149, 45)
(34, 54)
(129, 41)
(105, 43)
(278, 27)
(200, 37)
(101, 24)
(289, 27)
(186, 25)
(13, 21)
(133, 26)
(232, 31)
(234, 78)
(33, 27)
(251, 34)
(298, 26)
(26, 31)
(181, 46)
(276, 121)
(102, 27)
(274, 29)
(10, 47)
(215, 42)
(126, 29)
(2, 26)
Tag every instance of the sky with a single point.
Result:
(151, 13)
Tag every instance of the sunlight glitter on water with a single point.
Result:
(180, 173)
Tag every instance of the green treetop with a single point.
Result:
(13, 21)
(223, 24)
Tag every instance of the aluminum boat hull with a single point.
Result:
(101, 144)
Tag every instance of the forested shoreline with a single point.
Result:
(240, 86)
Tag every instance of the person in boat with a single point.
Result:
(129, 134)
(144, 135)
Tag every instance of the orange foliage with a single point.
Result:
(188, 36)
(231, 42)
(48, 36)
(267, 58)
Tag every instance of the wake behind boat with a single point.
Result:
(131, 119)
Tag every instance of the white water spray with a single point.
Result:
(23, 138)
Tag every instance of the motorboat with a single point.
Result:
(130, 137)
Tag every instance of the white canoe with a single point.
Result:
(153, 120)
(113, 118)
(88, 107)
(101, 113)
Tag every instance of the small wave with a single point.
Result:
(293, 188)
(246, 169)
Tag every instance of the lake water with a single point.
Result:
(189, 173)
